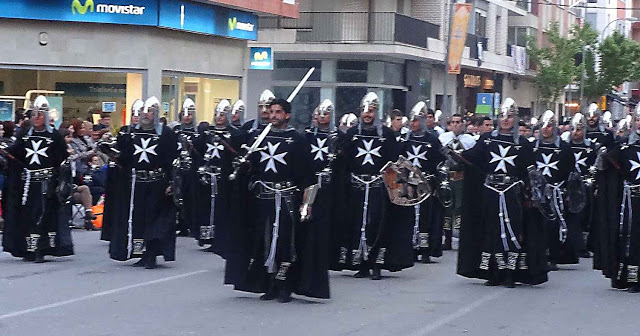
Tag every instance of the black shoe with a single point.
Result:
(362, 274)
(447, 241)
(551, 267)
(271, 294)
(492, 283)
(426, 259)
(375, 275)
(88, 225)
(285, 295)
(509, 283)
(140, 263)
(151, 263)
(634, 289)
(39, 258)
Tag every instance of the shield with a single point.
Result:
(406, 184)
(576, 193)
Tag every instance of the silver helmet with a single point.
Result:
(238, 109)
(223, 108)
(137, 107)
(151, 105)
(347, 121)
(368, 102)
(325, 108)
(579, 122)
(606, 119)
(41, 105)
(188, 108)
(265, 98)
(593, 110)
(508, 108)
(419, 111)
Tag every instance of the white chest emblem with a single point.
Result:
(145, 150)
(36, 151)
(415, 155)
(502, 159)
(547, 165)
(272, 157)
(320, 149)
(368, 152)
(214, 149)
(635, 165)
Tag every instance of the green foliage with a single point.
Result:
(619, 62)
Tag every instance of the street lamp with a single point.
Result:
(629, 19)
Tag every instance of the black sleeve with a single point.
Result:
(304, 176)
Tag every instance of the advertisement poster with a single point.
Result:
(261, 59)
(55, 110)
(7, 107)
(484, 103)
(461, 14)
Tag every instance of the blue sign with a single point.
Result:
(92, 89)
(135, 12)
(6, 110)
(484, 104)
(109, 107)
(206, 19)
(261, 59)
(176, 14)
(496, 100)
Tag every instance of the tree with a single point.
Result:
(555, 62)
(619, 62)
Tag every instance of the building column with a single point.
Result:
(328, 74)
(134, 91)
(490, 33)
(154, 83)
(502, 31)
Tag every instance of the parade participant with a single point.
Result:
(457, 141)
(555, 162)
(433, 118)
(147, 152)
(116, 207)
(367, 233)
(347, 121)
(237, 114)
(216, 148)
(624, 232)
(36, 213)
(495, 243)
(596, 130)
(275, 258)
(185, 176)
(423, 149)
(396, 117)
(584, 153)
(263, 113)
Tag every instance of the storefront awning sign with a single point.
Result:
(261, 58)
(484, 103)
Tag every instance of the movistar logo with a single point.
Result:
(89, 6)
(76, 7)
(235, 24)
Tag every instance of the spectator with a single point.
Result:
(82, 150)
(97, 178)
(105, 121)
(396, 120)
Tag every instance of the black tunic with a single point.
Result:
(185, 177)
(585, 154)
(488, 246)
(148, 157)
(425, 152)
(34, 217)
(555, 161)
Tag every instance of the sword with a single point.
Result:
(301, 84)
(254, 148)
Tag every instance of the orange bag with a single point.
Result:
(97, 211)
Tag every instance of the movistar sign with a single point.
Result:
(77, 7)
(235, 24)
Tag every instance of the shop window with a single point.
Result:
(294, 70)
(481, 24)
(348, 100)
(352, 71)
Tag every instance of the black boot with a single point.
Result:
(141, 262)
(634, 289)
(285, 294)
(151, 262)
(552, 267)
(447, 240)
(426, 259)
(271, 293)
(362, 273)
(376, 274)
(39, 258)
(492, 283)
(88, 224)
(508, 281)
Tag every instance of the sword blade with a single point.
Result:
(260, 138)
(302, 82)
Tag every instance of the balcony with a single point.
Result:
(472, 43)
(356, 27)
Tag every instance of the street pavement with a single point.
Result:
(89, 294)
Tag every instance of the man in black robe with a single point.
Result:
(37, 213)
(274, 259)
(370, 230)
(585, 153)
(424, 150)
(263, 118)
(215, 149)
(554, 161)
(116, 207)
(185, 175)
(497, 243)
(147, 152)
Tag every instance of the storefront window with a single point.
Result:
(294, 70)
(205, 92)
(307, 99)
(352, 71)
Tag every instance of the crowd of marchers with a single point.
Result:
(283, 207)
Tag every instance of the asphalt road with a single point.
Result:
(89, 294)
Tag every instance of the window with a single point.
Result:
(294, 70)
(352, 71)
(481, 24)
(518, 35)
